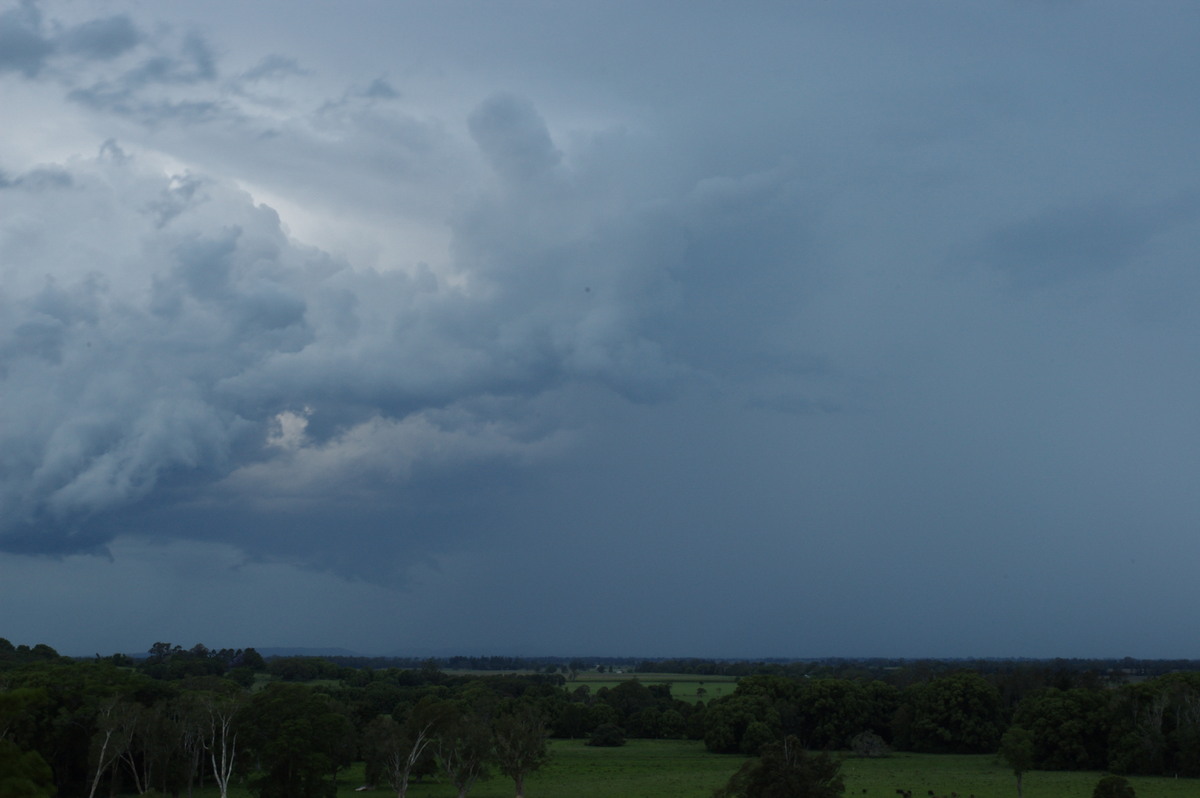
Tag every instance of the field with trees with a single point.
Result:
(215, 723)
(688, 687)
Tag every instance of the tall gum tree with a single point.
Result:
(519, 734)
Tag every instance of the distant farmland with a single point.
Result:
(688, 687)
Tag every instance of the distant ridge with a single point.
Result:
(301, 651)
(279, 651)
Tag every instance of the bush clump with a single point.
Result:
(1114, 787)
(607, 735)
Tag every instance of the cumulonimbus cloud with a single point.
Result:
(167, 345)
(162, 330)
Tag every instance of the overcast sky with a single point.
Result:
(622, 328)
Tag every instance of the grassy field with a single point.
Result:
(638, 769)
(683, 769)
(684, 686)
(983, 777)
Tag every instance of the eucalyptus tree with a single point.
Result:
(218, 716)
(398, 751)
(519, 737)
(464, 744)
(292, 733)
(115, 720)
(1016, 749)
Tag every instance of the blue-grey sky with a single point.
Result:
(653, 329)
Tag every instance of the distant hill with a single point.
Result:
(306, 652)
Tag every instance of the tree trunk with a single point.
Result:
(101, 765)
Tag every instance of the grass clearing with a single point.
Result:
(683, 769)
(983, 776)
(638, 769)
(688, 687)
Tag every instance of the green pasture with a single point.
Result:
(982, 776)
(684, 686)
(683, 769)
(638, 769)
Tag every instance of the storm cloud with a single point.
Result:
(600, 330)
(176, 336)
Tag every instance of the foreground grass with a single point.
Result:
(683, 769)
(638, 769)
(984, 777)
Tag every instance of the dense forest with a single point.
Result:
(177, 718)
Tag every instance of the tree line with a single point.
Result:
(181, 718)
(1148, 727)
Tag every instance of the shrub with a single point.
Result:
(1113, 787)
(869, 744)
(786, 770)
(608, 735)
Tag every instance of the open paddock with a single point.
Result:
(688, 687)
(684, 769)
